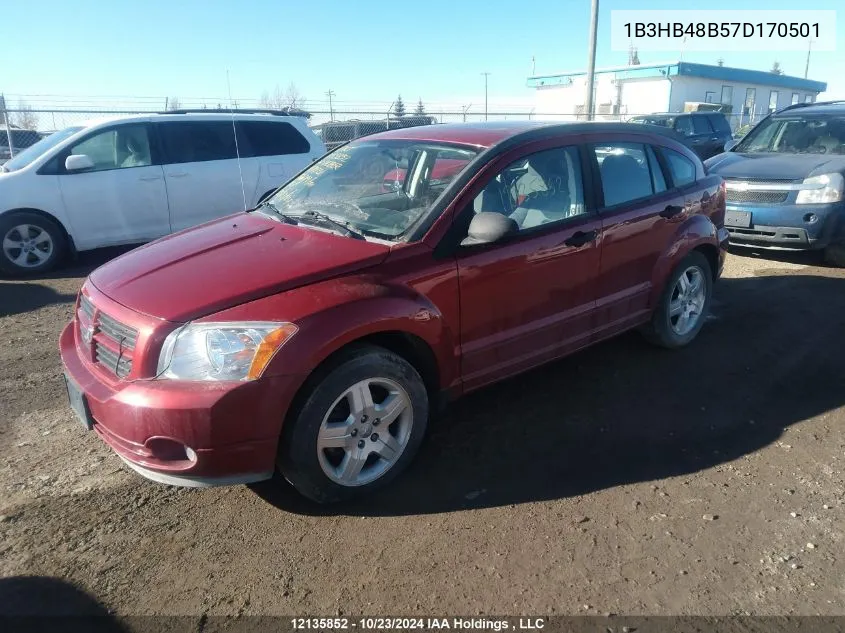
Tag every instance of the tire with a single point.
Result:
(835, 255)
(32, 230)
(673, 331)
(329, 454)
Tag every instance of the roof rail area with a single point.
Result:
(283, 112)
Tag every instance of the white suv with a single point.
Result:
(134, 179)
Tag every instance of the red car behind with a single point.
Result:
(316, 333)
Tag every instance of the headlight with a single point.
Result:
(825, 188)
(221, 351)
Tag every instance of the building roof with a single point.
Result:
(688, 69)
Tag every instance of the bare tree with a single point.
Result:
(280, 99)
(25, 118)
(173, 103)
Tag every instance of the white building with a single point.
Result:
(625, 91)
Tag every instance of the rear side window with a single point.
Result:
(683, 125)
(268, 138)
(700, 125)
(625, 173)
(719, 123)
(197, 141)
(680, 167)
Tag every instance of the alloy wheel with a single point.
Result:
(27, 245)
(687, 303)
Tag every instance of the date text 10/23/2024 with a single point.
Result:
(409, 624)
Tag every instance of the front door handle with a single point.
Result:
(149, 178)
(579, 238)
(671, 211)
(177, 174)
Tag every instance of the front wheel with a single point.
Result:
(684, 304)
(357, 429)
(29, 243)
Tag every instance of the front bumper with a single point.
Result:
(790, 226)
(185, 433)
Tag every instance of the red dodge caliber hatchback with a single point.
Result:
(316, 333)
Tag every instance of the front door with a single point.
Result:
(529, 298)
(202, 171)
(122, 198)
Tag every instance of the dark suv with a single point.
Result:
(785, 181)
(705, 133)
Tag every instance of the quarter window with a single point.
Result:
(197, 141)
(268, 138)
(625, 172)
(680, 167)
(542, 188)
(117, 148)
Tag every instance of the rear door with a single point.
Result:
(122, 199)
(640, 212)
(705, 139)
(201, 170)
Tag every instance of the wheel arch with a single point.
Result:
(47, 216)
(697, 234)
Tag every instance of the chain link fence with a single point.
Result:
(23, 127)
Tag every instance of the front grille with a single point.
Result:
(764, 197)
(113, 341)
(116, 331)
(119, 365)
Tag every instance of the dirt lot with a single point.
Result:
(624, 479)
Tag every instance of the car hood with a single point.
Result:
(227, 262)
(773, 166)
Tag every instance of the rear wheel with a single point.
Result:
(357, 429)
(29, 243)
(684, 304)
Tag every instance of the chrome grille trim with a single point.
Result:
(109, 359)
(86, 307)
(123, 335)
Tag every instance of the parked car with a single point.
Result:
(317, 332)
(20, 138)
(706, 133)
(786, 181)
(133, 179)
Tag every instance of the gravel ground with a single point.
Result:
(624, 479)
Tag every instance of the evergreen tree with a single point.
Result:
(399, 107)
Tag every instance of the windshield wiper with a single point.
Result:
(322, 217)
(285, 218)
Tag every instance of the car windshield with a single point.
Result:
(796, 135)
(31, 153)
(377, 188)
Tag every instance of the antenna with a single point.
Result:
(235, 133)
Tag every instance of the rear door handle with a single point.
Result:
(149, 178)
(671, 211)
(579, 238)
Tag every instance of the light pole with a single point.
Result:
(485, 94)
(591, 58)
(330, 94)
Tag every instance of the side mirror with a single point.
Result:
(78, 162)
(731, 144)
(487, 227)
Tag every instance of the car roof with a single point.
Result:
(820, 107)
(186, 116)
(490, 133)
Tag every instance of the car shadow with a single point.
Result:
(624, 412)
(802, 258)
(17, 298)
(41, 603)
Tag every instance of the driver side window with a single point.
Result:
(542, 188)
(118, 148)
